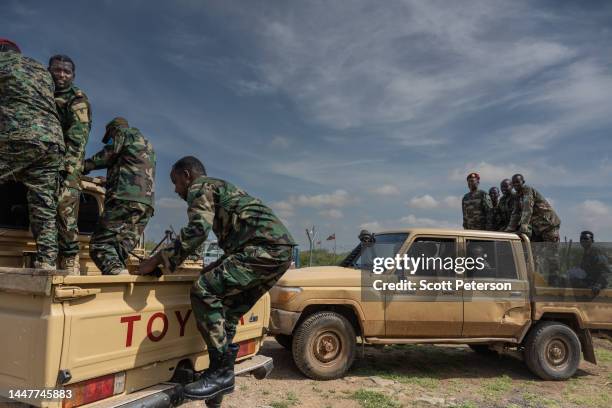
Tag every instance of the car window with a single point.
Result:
(434, 254)
(385, 246)
(497, 259)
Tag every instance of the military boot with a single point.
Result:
(71, 264)
(218, 379)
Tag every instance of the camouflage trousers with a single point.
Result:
(117, 233)
(220, 297)
(37, 166)
(67, 228)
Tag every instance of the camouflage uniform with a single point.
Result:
(477, 210)
(534, 216)
(595, 265)
(75, 117)
(128, 203)
(258, 250)
(505, 208)
(31, 144)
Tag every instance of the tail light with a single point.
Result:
(95, 389)
(246, 348)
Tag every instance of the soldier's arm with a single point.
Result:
(77, 134)
(488, 209)
(101, 160)
(464, 213)
(527, 208)
(514, 219)
(201, 214)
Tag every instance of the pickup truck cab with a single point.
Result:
(506, 306)
(88, 340)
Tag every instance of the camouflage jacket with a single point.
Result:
(130, 161)
(595, 264)
(497, 223)
(236, 218)
(75, 117)
(533, 212)
(27, 106)
(505, 207)
(477, 210)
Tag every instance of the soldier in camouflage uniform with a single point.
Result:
(258, 250)
(496, 218)
(128, 203)
(31, 143)
(594, 264)
(506, 203)
(75, 118)
(477, 206)
(532, 214)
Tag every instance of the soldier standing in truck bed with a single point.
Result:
(476, 205)
(506, 203)
(31, 143)
(258, 250)
(496, 217)
(128, 203)
(75, 118)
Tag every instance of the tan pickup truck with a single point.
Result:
(318, 312)
(100, 341)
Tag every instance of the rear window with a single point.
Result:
(498, 256)
(14, 209)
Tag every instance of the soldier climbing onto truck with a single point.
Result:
(128, 204)
(257, 251)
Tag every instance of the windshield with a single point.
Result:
(386, 245)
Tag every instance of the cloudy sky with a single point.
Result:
(351, 114)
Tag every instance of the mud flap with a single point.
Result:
(588, 351)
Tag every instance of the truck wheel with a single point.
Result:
(482, 349)
(552, 351)
(324, 346)
(284, 340)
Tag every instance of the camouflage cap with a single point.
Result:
(6, 44)
(117, 122)
(473, 175)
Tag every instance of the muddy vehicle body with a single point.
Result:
(95, 340)
(319, 312)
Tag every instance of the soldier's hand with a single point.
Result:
(525, 229)
(88, 167)
(148, 265)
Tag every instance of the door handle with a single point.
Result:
(516, 293)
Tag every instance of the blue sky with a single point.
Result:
(351, 114)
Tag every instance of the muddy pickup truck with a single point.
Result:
(100, 341)
(506, 306)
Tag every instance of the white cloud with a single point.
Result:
(372, 226)
(595, 215)
(280, 142)
(283, 208)
(338, 198)
(170, 203)
(386, 190)
(331, 213)
(428, 202)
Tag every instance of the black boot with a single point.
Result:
(218, 380)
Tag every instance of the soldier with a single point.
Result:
(75, 118)
(477, 206)
(128, 204)
(31, 143)
(506, 203)
(258, 250)
(533, 215)
(594, 264)
(496, 219)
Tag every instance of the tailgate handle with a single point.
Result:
(516, 293)
(74, 292)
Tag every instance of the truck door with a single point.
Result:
(495, 313)
(426, 313)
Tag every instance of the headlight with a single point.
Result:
(283, 294)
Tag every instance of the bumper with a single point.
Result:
(168, 395)
(282, 321)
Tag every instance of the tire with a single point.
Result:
(284, 340)
(482, 349)
(552, 351)
(324, 346)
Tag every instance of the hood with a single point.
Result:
(321, 276)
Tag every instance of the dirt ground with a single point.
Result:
(424, 376)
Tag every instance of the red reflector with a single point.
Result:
(246, 348)
(88, 391)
